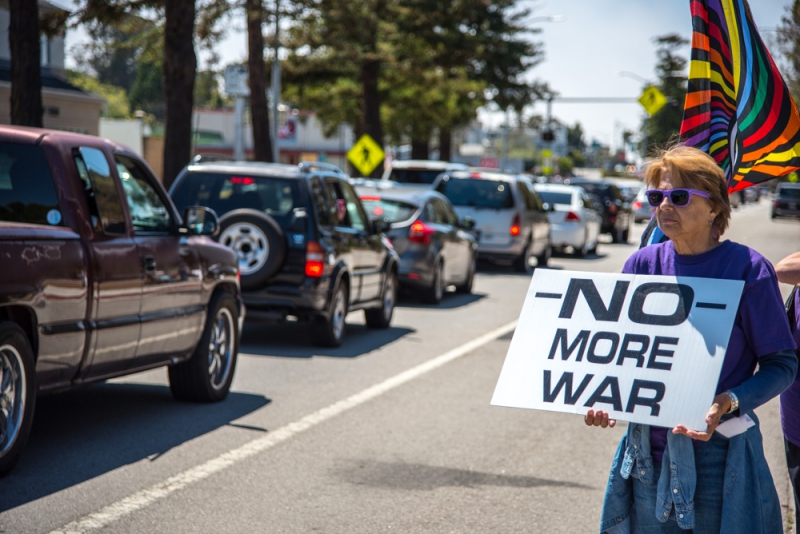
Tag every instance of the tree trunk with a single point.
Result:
(445, 144)
(371, 105)
(180, 67)
(259, 111)
(26, 75)
(419, 150)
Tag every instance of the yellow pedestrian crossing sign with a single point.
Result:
(652, 100)
(365, 155)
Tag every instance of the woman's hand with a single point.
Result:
(598, 418)
(722, 403)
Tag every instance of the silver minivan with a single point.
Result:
(511, 222)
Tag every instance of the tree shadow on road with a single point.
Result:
(293, 340)
(82, 434)
(419, 477)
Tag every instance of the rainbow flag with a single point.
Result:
(738, 108)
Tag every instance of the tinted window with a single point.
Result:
(556, 198)
(527, 198)
(394, 210)
(789, 192)
(345, 210)
(414, 176)
(101, 191)
(478, 193)
(27, 193)
(276, 197)
(320, 201)
(148, 212)
(450, 216)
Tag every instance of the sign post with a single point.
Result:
(645, 349)
(365, 155)
(237, 85)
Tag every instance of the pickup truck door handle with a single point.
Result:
(149, 264)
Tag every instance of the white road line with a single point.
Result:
(146, 497)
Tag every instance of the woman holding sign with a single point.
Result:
(672, 480)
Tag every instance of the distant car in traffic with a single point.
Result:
(511, 223)
(787, 201)
(306, 248)
(574, 220)
(642, 210)
(418, 172)
(434, 245)
(617, 214)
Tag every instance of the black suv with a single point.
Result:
(306, 247)
(616, 210)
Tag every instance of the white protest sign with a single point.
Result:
(645, 349)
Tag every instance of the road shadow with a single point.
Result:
(82, 434)
(450, 301)
(293, 340)
(419, 477)
(592, 256)
(487, 268)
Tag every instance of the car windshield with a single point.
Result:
(789, 192)
(552, 197)
(394, 210)
(414, 176)
(478, 193)
(276, 197)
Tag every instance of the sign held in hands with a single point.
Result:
(645, 349)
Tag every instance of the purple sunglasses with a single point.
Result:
(679, 196)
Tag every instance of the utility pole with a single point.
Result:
(276, 86)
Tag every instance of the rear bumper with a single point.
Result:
(785, 212)
(567, 234)
(512, 249)
(416, 269)
(276, 301)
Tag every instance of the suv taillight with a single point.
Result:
(515, 229)
(637, 205)
(315, 259)
(572, 216)
(419, 232)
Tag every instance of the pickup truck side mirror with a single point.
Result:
(200, 221)
(467, 223)
(381, 226)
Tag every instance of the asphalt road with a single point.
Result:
(393, 432)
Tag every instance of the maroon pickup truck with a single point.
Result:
(101, 277)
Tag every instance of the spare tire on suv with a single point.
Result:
(259, 244)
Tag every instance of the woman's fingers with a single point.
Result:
(598, 418)
(694, 434)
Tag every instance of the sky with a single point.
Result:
(585, 53)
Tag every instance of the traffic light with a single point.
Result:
(548, 135)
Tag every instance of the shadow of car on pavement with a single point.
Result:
(85, 433)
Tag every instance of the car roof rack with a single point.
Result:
(206, 158)
(306, 165)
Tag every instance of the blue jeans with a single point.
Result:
(710, 459)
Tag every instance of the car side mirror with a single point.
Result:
(546, 206)
(200, 221)
(381, 226)
(467, 223)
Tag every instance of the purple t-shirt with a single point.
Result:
(790, 399)
(760, 327)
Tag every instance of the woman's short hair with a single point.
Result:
(694, 169)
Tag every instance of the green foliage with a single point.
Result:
(116, 107)
(664, 127)
(565, 165)
(577, 157)
(207, 93)
(147, 92)
(575, 138)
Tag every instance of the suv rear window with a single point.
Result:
(27, 192)
(556, 198)
(478, 193)
(276, 197)
(789, 192)
(414, 176)
(394, 210)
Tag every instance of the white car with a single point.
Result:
(419, 172)
(574, 220)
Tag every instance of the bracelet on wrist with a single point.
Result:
(734, 401)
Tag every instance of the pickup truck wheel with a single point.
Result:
(329, 331)
(17, 393)
(382, 317)
(258, 242)
(207, 375)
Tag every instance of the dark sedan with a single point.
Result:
(434, 246)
